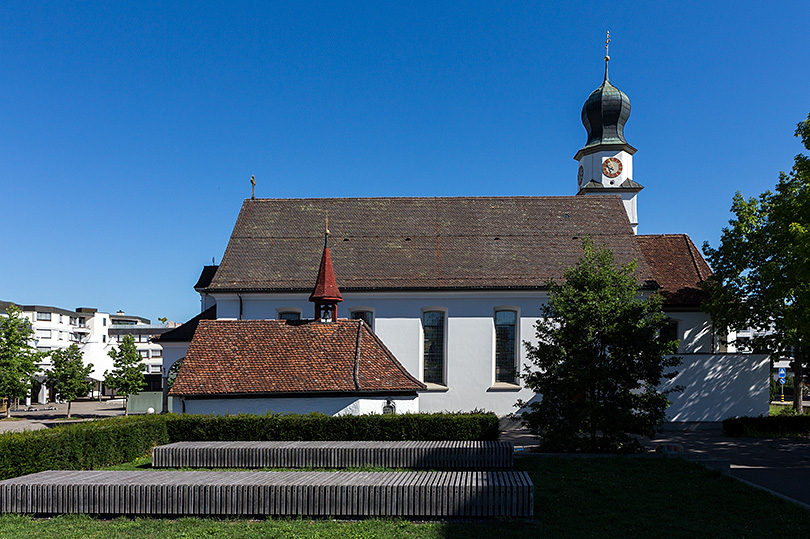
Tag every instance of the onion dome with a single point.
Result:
(604, 114)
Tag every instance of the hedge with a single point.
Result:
(775, 426)
(106, 442)
(80, 446)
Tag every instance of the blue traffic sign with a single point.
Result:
(782, 374)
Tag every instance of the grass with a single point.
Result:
(599, 497)
(778, 409)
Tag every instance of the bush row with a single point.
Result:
(774, 426)
(80, 446)
(107, 442)
(471, 426)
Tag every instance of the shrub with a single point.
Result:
(107, 442)
(80, 446)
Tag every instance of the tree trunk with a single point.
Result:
(68, 410)
(798, 379)
(126, 408)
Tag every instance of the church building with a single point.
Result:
(451, 287)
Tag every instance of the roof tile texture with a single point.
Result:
(421, 243)
(678, 267)
(282, 357)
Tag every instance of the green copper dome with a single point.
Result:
(604, 114)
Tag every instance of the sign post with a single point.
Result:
(782, 374)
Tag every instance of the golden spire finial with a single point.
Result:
(607, 44)
(326, 236)
(252, 187)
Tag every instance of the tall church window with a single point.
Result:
(433, 327)
(505, 344)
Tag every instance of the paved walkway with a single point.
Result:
(44, 416)
(778, 464)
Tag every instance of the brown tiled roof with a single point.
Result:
(420, 243)
(678, 267)
(272, 357)
(205, 277)
(185, 332)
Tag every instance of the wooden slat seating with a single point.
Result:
(463, 455)
(421, 494)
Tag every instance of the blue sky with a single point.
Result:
(130, 130)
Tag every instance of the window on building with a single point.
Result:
(433, 327)
(670, 332)
(44, 316)
(103, 338)
(43, 334)
(143, 353)
(103, 321)
(154, 368)
(289, 315)
(366, 316)
(157, 353)
(505, 346)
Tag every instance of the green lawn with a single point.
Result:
(599, 497)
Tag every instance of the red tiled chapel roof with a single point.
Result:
(279, 357)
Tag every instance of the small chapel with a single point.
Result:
(424, 303)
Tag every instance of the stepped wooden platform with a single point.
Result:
(414, 455)
(420, 494)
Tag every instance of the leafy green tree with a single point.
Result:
(762, 267)
(18, 359)
(68, 374)
(599, 360)
(127, 374)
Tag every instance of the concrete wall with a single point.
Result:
(326, 405)
(144, 400)
(719, 386)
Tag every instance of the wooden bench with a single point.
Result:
(415, 455)
(338, 494)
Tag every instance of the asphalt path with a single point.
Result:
(778, 464)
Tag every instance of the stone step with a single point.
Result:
(411, 494)
(415, 455)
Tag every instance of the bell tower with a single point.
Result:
(606, 160)
(326, 294)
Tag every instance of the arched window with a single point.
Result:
(506, 346)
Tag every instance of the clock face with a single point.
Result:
(612, 167)
(580, 175)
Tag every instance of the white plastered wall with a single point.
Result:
(326, 405)
(719, 386)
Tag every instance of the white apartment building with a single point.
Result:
(95, 333)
